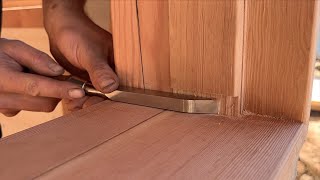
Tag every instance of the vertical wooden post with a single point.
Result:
(256, 56)
(279, 57)
(155, 46)
(126, 42)
(187, 47)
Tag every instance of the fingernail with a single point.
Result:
(76, 93)
(56, 68)
(105, 85)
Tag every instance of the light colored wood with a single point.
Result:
(20, 3)
(23, 18)
(315, 105)
(30, 153)
(198, 42)
(187, 47)
(279, 57)
(171, 145)
(100, 142)
(155, 47)
(126, 43)
(252, 56)
(205, 47)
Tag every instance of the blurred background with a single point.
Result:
(22, 20)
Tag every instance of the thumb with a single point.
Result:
(102, 76)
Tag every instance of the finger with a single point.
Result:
(31, 58)
(60, 58)
(36, 85)
(92, 100)
(9, 112)
(102, 76)
(16, 102)
(75, 105)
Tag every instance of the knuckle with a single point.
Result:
(100, 69)
(32, 88)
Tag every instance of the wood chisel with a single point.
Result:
(155, 99)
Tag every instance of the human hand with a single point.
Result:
(81, 47)
(20, 90)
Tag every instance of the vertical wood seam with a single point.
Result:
(241, 98)
(140, 46)
(96, 146)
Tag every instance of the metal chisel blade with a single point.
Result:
(157, 99)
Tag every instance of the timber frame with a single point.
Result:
(257, 57)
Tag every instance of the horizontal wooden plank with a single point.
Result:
(23, 18)
(184, 146)
(21, 3)
(32, 152)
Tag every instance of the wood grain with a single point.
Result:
(126, 42)
(289, 166)
(30, 153)
(155, 48)
(205, 47)
(184, 146)
(190, 47)
(279, 57)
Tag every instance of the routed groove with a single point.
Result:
(39, 149)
